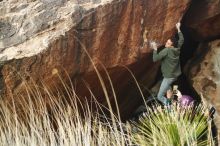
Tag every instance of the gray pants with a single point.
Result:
(165, 85)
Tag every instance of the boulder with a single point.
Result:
(203, 71)
(42, 39)
(203, 18)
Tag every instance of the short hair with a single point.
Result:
(175, 39)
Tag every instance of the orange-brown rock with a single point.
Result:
(204, 73)
(203, 18)
(113, 32)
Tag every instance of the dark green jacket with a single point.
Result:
(170, 59)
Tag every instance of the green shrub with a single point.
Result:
(173, 126)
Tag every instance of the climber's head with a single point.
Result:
(169, 44)
(172, 42)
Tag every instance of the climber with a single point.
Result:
(170, 62)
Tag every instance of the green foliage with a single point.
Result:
(173, 126)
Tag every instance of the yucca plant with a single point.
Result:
(173, 126)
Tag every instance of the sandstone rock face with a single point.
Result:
(203, 18)
(204, 73)
(41, 38)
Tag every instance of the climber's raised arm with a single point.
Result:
(181, 38)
